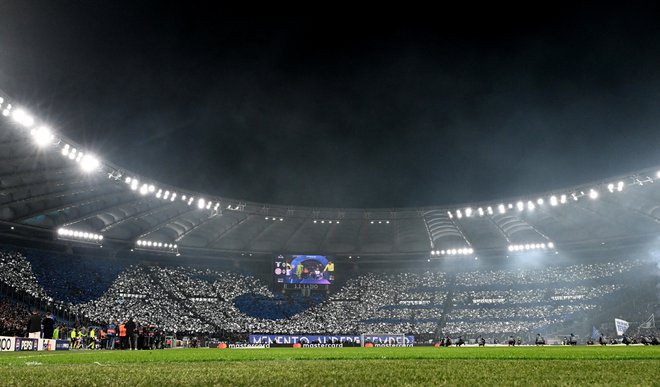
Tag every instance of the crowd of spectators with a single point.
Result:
(71, 278)
(185, 299)
(143, 294)
(547, 275)
(533, 295)
(13, 318)
(16, 273)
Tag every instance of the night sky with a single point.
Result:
(341, 107)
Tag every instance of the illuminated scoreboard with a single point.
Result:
(304, 269)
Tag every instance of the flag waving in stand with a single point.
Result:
(650, 323)
(621, 326)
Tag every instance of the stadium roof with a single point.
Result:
(48, 182)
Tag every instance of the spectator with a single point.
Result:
(34, 325)
(49, 325)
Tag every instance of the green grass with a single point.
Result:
(621, 366)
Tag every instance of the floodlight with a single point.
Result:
(5, 112)
(89, 163)
(593, 194)
(470, 250)
(315, 221)
(520, 206)
(468, 212)
(149, 243)
(480, 211)
(209, 204)
(144, 189)
(551, 245)
(173, 196)
(530, 205)
(450, 215)
(201, 203)
(158, 194)
(442, 252)
(610, 187)
(72, 154)
(387, 221)
(42, 136)
(490, 210)
(152, 188)
(501, 208)
(553, 200)
(459, 214)
(128, 180)
(658, 174)
(562, 199)
(619, 186)
(22, 117)
(432, 252)
(540, 201)
(510, 248)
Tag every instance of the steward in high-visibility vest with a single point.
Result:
(92, 338)
(122, 336)
(81, 338)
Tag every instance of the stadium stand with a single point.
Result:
(193, 300)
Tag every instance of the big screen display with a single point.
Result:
(304, 269)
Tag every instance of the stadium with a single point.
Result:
(562, 283)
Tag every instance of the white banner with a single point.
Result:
(7, 343)
(621, 326)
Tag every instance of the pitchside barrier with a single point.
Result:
(24, 344)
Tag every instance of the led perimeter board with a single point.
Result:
(304, 269)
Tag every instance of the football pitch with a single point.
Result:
(416, 366)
